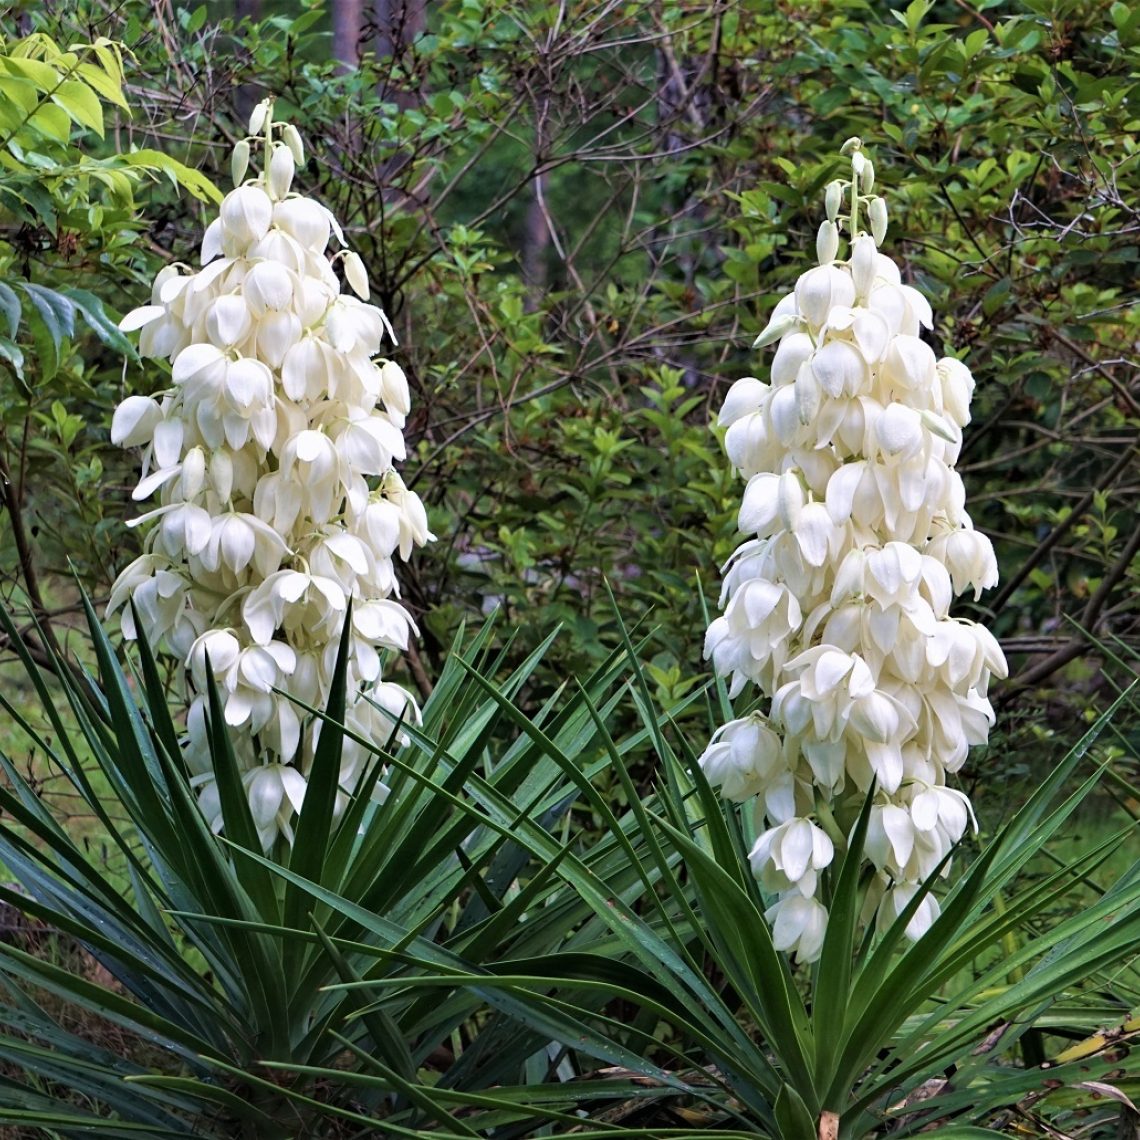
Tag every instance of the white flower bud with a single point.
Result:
(790, 499)
(936, 425)
(260, 116)
(827, 242)
(222, 474)
(239, 163)
(292, 138)
(355, 275)
(833, 199)
(281, 167)
(193, 472)
(394, 389)
(877, 212)
(776, 328)
(863, 265)
(957, 387)
(868, 176)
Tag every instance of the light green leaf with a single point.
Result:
(81, 103)
(41, 74)
(52, 121)
(179, 173)
(106, 85)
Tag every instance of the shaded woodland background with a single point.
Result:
(578, 215)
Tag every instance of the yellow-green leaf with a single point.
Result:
(43, 75)
(105, 84)
(51, 121)
(17, 92)
(116, 181)
(110, 56)
(81, 103)
(182, 175)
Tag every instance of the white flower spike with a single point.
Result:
(271, 456)
(837, 604)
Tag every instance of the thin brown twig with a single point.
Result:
(1088, 619)
(1060, 530)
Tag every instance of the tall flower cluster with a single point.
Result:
(271, 457)
(837, 606)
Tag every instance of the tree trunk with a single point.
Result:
(398, 23)
(247, 96)
(347, 28)
(681, 116)
(536, 242)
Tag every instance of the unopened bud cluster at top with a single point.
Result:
(837, 606)
(272, 457)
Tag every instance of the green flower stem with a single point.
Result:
(829, 823)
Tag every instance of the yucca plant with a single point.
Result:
(239, 978)
(879, 1035)
(839, 610)
(465, 964)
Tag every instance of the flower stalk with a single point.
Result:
(837, 607)
(272, 456)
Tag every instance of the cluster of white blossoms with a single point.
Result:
(838, 607)
(272, 458)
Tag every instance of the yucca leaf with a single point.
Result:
(154, 691)
(101, 1001)
(887, 989)
(315, 823)
(793, 1118)
(203, 1093)
(832, 977)
(387, 1038)
(552, 1025)
(136, 760)
(78, 1122)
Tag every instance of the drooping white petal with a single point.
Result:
(228, 321)
(141, 316)
(743, 398)
(134, 421)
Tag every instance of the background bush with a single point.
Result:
(578, 216)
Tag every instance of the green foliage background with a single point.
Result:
(578, 216)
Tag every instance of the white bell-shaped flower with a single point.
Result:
(799, 924)
(837, 604)
(792, 854)
(742, 758)
(278, 502)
